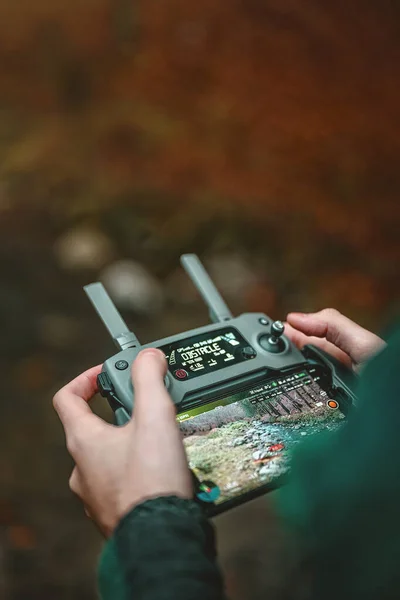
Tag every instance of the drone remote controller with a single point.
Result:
(228, 356)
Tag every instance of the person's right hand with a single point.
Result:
(331, 331)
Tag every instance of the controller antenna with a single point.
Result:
(219, 311)
(108, 313)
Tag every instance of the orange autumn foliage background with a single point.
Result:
(286, 112)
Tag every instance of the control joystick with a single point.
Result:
(273, 342)
(277, 329)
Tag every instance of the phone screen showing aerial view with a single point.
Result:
(242, 442)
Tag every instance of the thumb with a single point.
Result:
(357, 342)
(152, 401)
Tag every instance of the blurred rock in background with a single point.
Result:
(263, 136)
(83, 248)
(131, 286)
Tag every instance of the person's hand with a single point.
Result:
(336, 334)
(119, 467)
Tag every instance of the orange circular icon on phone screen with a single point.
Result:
(333, 404)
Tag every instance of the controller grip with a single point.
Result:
(106, 389)
(347, 377)
(121, 416)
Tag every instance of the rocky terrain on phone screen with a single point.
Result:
(243, 445)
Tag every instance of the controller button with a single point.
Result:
(121, 365)
(333, 404)
(104, 384)
(181, 374)
(248, 352)
(263, 321)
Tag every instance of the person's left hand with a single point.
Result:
(120, 467)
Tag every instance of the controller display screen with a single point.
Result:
(243, 442)
(206, 352)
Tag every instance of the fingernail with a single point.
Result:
(153, 352)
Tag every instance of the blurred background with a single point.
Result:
(262, 135)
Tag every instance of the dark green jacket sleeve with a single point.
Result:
(163, 549)
(342, 503)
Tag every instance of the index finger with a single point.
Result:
(85, 385)
(71, 402)
(301, 340)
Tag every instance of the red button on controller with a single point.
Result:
(181, 374)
